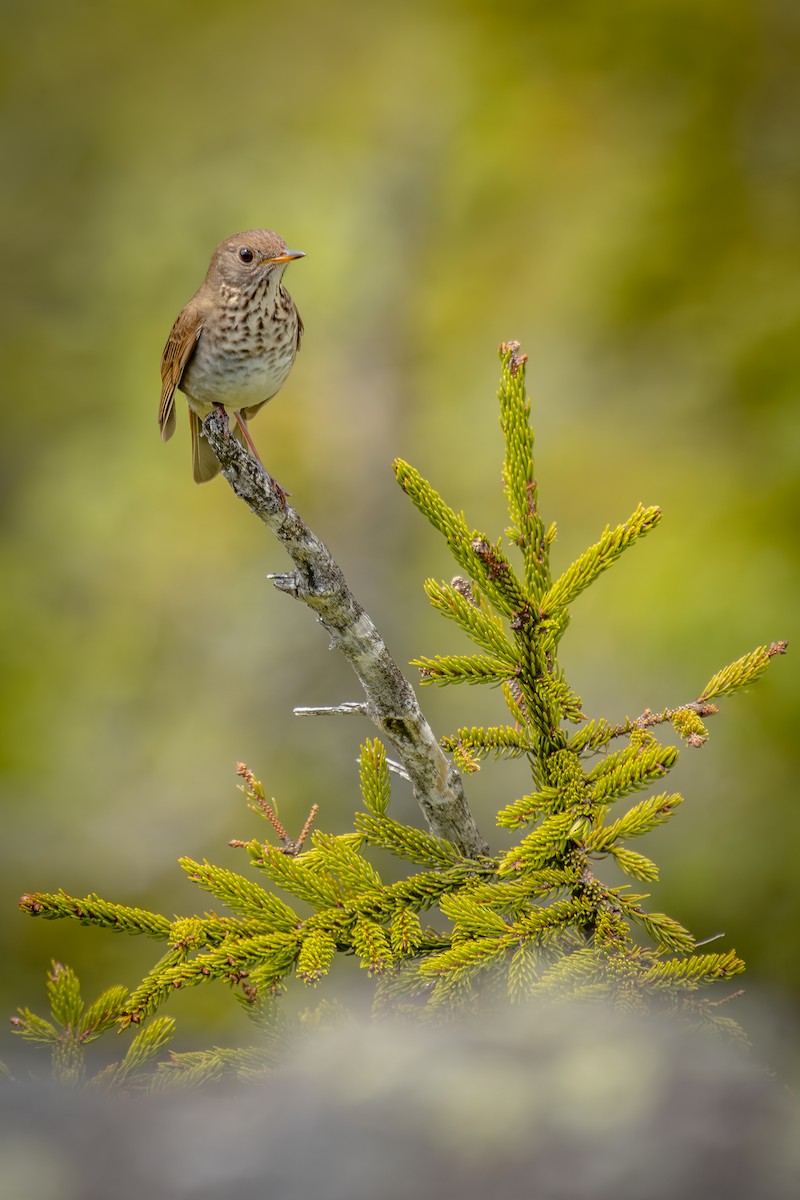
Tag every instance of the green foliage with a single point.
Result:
(744, 671)
(535, 920)
(598, 558)
(74, 1026)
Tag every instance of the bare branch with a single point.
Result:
(397, 769)
(390, 700)
(350, 708)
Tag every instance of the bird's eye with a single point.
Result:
(246, 254)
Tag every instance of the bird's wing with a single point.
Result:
(300, 328)
(180, 347)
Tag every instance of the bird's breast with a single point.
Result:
(242, 358)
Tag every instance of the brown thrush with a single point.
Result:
(234, 343)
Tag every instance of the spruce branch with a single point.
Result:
(527, 530)
(470, 745)
(463, 668)
(484, 629)
(390, 700)
(375, 785)
(147, 1043)
(599, 558)
(485, 563)
(241, 895)
(742, 672)
(94, 911)
(686, 719)
(75, 1025)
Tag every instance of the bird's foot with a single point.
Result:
(282, 493)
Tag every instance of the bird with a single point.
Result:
(235, 342)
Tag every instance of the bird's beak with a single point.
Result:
(287, 256)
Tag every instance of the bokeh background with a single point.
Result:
(617, 186)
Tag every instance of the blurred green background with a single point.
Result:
(614, 184)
